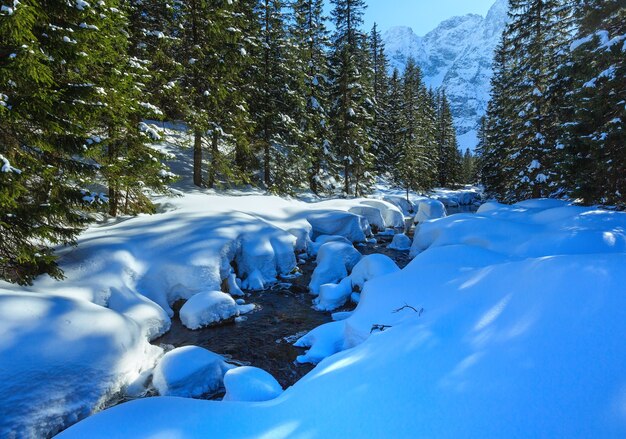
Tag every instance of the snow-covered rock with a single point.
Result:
(392, 214)
(189, 372)
(400, 242)
(405, 206)
(207, 308)
(249, 383)
(370, 267)
(61, 358)
(429, 209)
(332, 296)
(323, 239)
(353, 227)
(373, 215)
(334, 262)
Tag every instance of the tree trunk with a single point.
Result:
(197, 158)
(346, 178)
(214, 154)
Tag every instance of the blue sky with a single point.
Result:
(421, 15)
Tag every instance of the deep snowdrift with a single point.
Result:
(509, 323)
(137, 267)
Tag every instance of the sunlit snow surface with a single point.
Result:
(514, 328)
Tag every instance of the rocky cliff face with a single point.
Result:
(457, 55)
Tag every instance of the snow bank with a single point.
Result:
(400, 242)
(370, 267)
(332, 296)
(428, 209)
(249, 383)
(189, 371)
(208, 308)
(392, 215)
(66, 358)
(406, 207)
(459, 197)
(477, 338)
(349, 225)
(334, 261)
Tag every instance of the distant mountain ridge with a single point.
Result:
(457, 55)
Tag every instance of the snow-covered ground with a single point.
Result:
(507, 323)
(67, 348)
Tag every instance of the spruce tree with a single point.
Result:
(448, 167)
(595, 135)
(380, 81)
(309, 46)
(416, 168)
(351, 106)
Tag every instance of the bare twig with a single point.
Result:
(419, 312)
(379, 327)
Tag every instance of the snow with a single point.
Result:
(189, 371)
(207, 308)
(429, 209)
(370, 267)
(400, 242)
(334, 261)
(507, 323)
(332, 296)
(249, 383)
(61, 359)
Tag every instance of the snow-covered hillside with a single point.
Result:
(457, 55)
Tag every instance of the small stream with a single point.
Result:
(265, 337)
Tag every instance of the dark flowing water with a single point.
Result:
(265, 337)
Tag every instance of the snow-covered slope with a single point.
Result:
(457, 55)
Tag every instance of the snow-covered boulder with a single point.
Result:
(332, 296)
(400, 242)
(350, 225)
(269, 251)
(249, 383)
(60, 359)
(429, 209)
(334, 261)
(373, 215)
(392, 215)
(370, 267)
(189, 372)
(323, 239)
(255, 281)
(207, 308)
(401, 203)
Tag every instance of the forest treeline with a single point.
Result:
(555, 122)
(268, 95)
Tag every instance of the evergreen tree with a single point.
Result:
(275, 104)
(309, 38)
(449, 167)
(380, 81)
(524, 116)
(394, 124)
(595, 136)
(212, 56)
(350, 102)
(153, 44)
(468, 167)
(416, 168)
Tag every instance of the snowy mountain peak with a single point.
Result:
(457, 55)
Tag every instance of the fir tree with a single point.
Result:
(595, 136)
(350, 102)
(448, 167)
(309, 38)
(380, 81)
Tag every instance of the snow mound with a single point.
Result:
(353, 227)
(370, 267)
(400, 242)
(67, 356)
(250, 384)
(455, 198)
(189, 372)
(323, 239)
(429, 209)
(392, 215)
(405, 206)
(207, 308)
(334, 261)
(332, 296)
